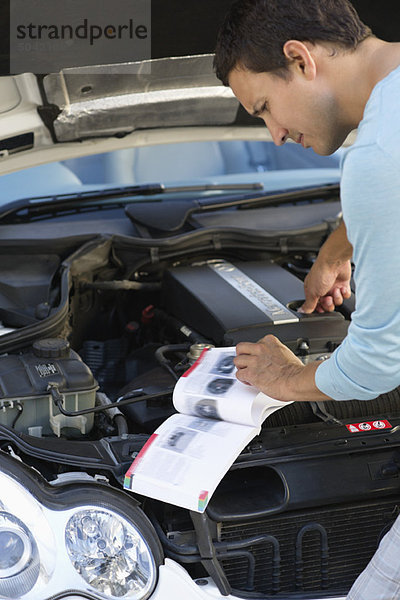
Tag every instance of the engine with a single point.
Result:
(122, 347)
(244, 301)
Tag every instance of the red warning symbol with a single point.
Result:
(368, 426)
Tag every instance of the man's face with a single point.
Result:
(297, 108)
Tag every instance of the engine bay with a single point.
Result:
(139, 336)
(100, 334)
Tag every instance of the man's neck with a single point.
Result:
(360, 71)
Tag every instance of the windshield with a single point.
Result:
(179, 163)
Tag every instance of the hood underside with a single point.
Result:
(108, 107)
(118, 99)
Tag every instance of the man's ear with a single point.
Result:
(300, 58)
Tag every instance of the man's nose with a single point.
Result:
(279, 134)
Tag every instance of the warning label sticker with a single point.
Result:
(368, 426)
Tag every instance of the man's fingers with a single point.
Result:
(337, 297)
(308, 306)
(243, 376)
(240, 375)
(327, 303)
(245, 348)
(244, 360)
(346, 291)
(251, 348)
(340, 293)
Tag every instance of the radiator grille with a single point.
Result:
(353, 533)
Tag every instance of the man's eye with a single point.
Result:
(262, 110)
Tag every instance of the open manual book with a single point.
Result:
(187, 456)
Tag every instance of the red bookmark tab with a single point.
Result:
(139, 458)
(369, 426)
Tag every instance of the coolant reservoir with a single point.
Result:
(25, 403)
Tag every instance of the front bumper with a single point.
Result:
(175, 584)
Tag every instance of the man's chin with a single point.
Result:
(325, 149)
(336, 142)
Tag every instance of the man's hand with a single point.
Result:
(328, 282)
(326, 286)
(273, 369)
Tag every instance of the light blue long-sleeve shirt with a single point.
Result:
(367, 363)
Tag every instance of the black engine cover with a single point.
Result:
(228, 303)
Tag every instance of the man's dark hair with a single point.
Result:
(254, 32)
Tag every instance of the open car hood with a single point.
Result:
(76, 111)
(87, 110)
(155, 101)
(117, 99)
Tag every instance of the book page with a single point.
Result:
(187, 456)
(184, 460)
(210, 389)
(263, 406)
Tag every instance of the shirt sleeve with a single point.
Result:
(367, 363)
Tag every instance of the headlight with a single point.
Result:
(19, 560)
(81, 537)
(110, 553)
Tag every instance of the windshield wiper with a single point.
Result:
(56, 202)
(172, 216)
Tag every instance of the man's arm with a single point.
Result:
(275, 370)
(366, 364)
(328, 282)
(272, 367)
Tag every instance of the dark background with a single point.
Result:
(190, 27)
(182, 27)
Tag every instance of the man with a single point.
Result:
(313, 72)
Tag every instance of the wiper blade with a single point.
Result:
(41, 204)
(172, 216)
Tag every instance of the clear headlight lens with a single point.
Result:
(110, 554)
(19, 559)
(81, 536)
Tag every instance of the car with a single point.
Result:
(136, 229)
